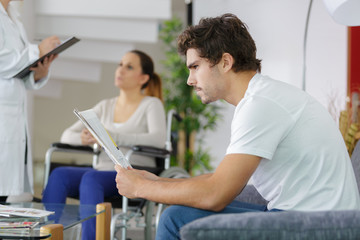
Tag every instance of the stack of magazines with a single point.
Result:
(20, 220)
(9, 227)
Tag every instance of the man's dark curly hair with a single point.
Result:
(213, 37)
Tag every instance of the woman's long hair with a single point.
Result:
(153, 87)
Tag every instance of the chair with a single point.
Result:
(68, 148)
(130, 208)
(335, 224)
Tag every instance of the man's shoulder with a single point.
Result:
(278, 92)
(269, 85)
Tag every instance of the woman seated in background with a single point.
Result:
(135, 117)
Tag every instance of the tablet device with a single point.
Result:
(67, 43)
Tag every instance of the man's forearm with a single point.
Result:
(195, 192)
(211, 191)
(202, 176)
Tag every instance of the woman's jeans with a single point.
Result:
(90, 185)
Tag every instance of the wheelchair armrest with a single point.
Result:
(66, 146)
(150, 150)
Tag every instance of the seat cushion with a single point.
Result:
(276, 225)
(250, 195)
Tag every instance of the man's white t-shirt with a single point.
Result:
(305, 165)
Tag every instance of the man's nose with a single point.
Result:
(190, 81)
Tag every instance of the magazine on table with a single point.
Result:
(17, 226)
(95, 127)
(8, 211)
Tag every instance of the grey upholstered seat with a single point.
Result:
(278, 225)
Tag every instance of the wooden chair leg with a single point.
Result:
(103, 221)
(56, 231)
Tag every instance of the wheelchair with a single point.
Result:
(130, 208)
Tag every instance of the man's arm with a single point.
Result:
(210, 191)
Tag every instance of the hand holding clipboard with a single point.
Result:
(66, 44)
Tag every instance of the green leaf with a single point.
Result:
(197, 117)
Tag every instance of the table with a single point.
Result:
(66, 216)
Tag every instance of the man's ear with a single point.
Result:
(227, 62)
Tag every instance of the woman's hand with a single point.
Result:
(48, 44)
(87, 138)
(42, 69)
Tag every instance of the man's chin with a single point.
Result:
(206, 100)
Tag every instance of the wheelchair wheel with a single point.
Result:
(173, 172)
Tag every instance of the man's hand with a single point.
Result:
(212, 191)
(87, 138)
(129, 181)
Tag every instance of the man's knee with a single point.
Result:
(170, 223)
(170, 212)
(174, 216)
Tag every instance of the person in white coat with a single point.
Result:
(16, 53)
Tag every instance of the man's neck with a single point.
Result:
(239, 83)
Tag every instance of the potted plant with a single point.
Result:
(197, 117)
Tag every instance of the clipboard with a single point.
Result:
(95, 127)
(66, 44)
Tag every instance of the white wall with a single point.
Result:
(277, 27)
(83, 75)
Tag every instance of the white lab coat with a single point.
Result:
(15, 54)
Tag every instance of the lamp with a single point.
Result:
(345, 12)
